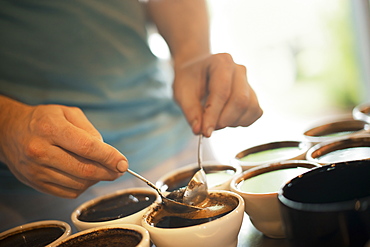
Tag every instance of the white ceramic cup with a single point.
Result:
(271, 152)
(26, 229)
(211, 167)
(221, 232)
(263, 208)
(134, 218)
(135, 233)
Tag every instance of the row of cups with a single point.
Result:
(327, 205)
(318, 187)
(99, 223)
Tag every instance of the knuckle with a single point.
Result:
(35, 150)
(88, 171)
(241, 101)
(85, 145)
(45, 126)
(224, 57)
(242, 68)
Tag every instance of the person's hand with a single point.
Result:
(56, 150)
(213, 93)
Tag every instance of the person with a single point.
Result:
(82, 98)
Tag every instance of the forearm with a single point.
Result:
(11, 110)
(184, 25)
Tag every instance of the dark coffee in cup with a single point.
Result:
(112, 237)
(37, 236)
(216, 206)
(328, 206)
(117, 206)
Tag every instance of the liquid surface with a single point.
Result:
(347, 154)
(116, 207)
(270, 182)
(271, 154)
(36, 237)
(219, 177)
(112, 237)
(216, 206)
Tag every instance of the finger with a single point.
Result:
(59, 190)
(220, 83)
(253, 113)
(81, 143)
(238, 102)
(52, 182)
(75, 116)
(55, 176)
(189, 98)
(76, 166)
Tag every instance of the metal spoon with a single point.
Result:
(197, 189)
(171, 205)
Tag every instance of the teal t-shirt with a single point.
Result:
(93, 54)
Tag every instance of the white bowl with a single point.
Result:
(36, 226)
(356, 147)
(134, 218)
(339, 128)
(271, 152)
(261, 204)
(221, 232)
(138, 233)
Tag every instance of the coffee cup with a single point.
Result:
(271, 152)
(127, 235)
(121, 207)
(218, 176)
(217, 225)
(328, 206)
(259, 188)
(356, 147)
(39, 233)
(330, 130)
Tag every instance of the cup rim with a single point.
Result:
(304, 146)
(207, 163)
(77, 211)
(239, 207)
(255, 171)
(356, 203)
(40, 224)
(145, 240)
(359, 112)
(331, 145)
(312, 134)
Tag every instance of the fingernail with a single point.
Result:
(209, 131)
(122, 166)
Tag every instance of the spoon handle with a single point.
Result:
(145, 180)
(200, 151)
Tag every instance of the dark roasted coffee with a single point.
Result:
(216, 206)
(112, 237)
(116, 207)
(32, 237)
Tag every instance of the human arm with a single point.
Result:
(55, 149)
(211, 89)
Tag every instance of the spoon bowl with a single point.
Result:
(197, 189)
(170, 204)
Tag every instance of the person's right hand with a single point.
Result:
(55, 149)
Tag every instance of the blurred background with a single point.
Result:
(308, 61)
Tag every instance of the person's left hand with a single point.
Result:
(213, 93)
